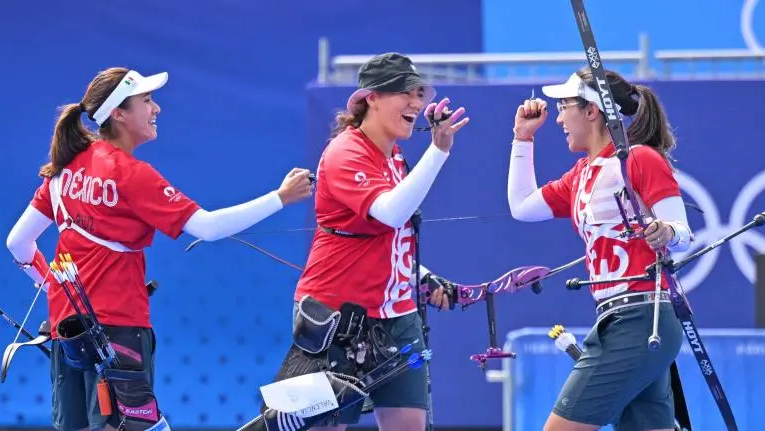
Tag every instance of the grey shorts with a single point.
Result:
(408, 389)
(618, 380)
(75, 398)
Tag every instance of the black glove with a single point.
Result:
(433, 282)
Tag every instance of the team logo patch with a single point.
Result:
(361, 178)
(172, 194)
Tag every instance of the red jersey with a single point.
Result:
(372, 271)
(586, 194)
(113, 197)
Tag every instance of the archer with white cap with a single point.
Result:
(107, 206)
(617, 380)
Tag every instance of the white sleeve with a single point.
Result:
(423, 272)
(214, 225)
(671, 210)
(22, 240)
(396, 206)
(523, 195)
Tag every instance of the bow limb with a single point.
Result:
(11, 349)
(253, 246)
(29, 311)
(15, 324)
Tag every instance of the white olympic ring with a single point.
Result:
(747, 26)
(714, 230)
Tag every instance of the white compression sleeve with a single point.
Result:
(22, 240)
(423, 272)
(214, 225)
(396, 206)
(523, 195)
(671, 210)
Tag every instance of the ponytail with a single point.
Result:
(344, 119)
(650, 125)
(70, 137)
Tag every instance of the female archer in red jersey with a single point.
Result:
(617, 380)
(107, 205)
(363, 251)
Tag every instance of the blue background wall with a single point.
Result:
(240, 110)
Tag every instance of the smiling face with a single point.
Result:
(578, 123)
(396, 113)
(139, 120)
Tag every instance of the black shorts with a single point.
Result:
(618, 380)
(75, 398)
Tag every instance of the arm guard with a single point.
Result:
(37, 270)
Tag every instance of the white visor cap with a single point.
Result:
(133, 83)
(575, 87)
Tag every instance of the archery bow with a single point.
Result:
(44, 335)
(253, 246)
(11, 321)
(509, 282)
(11, 349)
(464, 295)
(618, 135)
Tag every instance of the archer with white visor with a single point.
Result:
(617, 380)
(107, 205)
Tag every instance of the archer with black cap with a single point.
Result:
(364, 249)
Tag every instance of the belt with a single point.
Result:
(618, 302)
(343, 233)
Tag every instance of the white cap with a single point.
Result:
(133, 83)
(574, 87)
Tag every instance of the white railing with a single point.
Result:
(476, 67)
(712, 59)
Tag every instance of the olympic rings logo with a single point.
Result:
(747, 26)
(714, 229)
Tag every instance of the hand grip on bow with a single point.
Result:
(440, 292)
(658, 234)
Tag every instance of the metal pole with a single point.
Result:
(323, 60)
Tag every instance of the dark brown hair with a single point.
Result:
(70, 136)
(650, 125)
(343, 119)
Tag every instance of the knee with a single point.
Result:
(557, 423)
(550, 424)
(400, 419)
